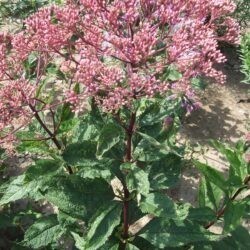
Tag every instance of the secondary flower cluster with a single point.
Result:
(117, 51)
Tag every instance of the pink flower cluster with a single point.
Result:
(117, 51)
(15, 97)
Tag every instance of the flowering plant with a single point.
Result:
(96, 87)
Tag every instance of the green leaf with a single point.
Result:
(42, 171)
(77, 196)
(159, 205)
(233, 214)
(102, 225)
(111, 244)
(202, 214)
(40, 175)
(43, 232)
(66, 220)
(212, 174)
(164, 233)
(66, 112)
(109, 137)
(151, 140)
(141, 243)
(95, 172)
(165, 173)
(145, 152)
(239, 239)
(172, 74)
(199, 83)
(131, 247)
(202, 192)
(80, 154)
(16, 190)
(79, 241)
(136, 178)
(6, 221)
(209, 194)
(232, 156)
(30, 143)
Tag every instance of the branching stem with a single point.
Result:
(51, 135)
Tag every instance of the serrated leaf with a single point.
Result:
(209, 194)
(16, 190)
(162, 233)
(166, 172)
(212, 174)
(77, 196)
(151, 140)
(239, 239)
(65, 220)
(102, 225)
(233, 214)
(236, 166)
(29, 143)
(145, 152)
(79, 241)
(109, 137)
(40, 175)
(43, 232)
(111, 244)
(141, 243)
(97, 171)
(136, 178)
(80, 154)
(159, 205)
(202, 214)
(43, 169)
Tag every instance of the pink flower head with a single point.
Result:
(116, 51)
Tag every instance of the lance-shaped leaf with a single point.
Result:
(212, 174)
(167, 233)
(77, 196)
(109, 137)
(159, 205)
(237, 168)
(16, 189)
(36, 176)
(80, 154)
(79, 241)
(102, 225)
(136, 178)
(233, 214)
(165, 173)
(43, 232)
(209, 194)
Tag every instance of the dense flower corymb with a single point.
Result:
(118, 51)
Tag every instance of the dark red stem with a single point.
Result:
(128, 158)
(52, 135)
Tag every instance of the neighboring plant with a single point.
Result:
(227, 198)
(97, 88)
(245, 57)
